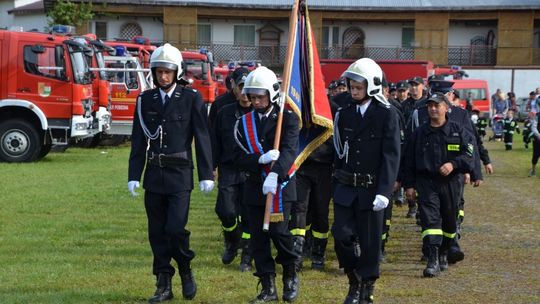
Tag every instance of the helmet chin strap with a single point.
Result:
(165, 87)
(265, 109)
(366, 98)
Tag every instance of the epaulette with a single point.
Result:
(383, 105)
(346, 107)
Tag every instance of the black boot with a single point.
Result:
(163, 290)
(291, 283)
(245, 261)
(382, 255)
(268, 292)
(353, 296)
(308, 244)
(189, 287)
(413, 208)
(455, 254)
(366, 292)
(232, 243)
(432, 267)
(317, 253)
(443, 261)
(298, 245)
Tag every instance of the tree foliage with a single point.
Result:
(68, 13)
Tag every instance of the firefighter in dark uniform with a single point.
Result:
(367, 143)
(510, 126)
(166, 121)
(229, 206)
(231, 96)
(254, 153)
(438, 154)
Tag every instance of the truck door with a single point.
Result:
(42, 78)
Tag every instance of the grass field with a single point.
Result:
(70, 233)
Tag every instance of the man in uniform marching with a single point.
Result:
(254, 153)
(367, 143)
(166, 120)
(510, 126)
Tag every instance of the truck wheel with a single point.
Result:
(45, 149)
(19, 141)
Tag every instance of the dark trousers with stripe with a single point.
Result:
(260, 241)
(231, 210)
(314, 190)
(167, 218)
(438, 200)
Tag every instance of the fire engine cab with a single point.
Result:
(45, 94)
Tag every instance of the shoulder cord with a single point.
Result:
(341, 150)
(236, 134)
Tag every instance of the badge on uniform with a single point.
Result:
(470, 149)
(452, 147)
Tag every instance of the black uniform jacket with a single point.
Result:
(182, 119)
(222, 131)
(249, 162)
(221, 101)
(374, 148)
(430, 148)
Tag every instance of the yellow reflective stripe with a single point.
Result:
(246, 235)
(229, 229)
(320, 235)
(384, 236)
(388, 222)
(451, 147)
(298, 231)
(308, 227)
(432, 232)
(449, 235)
(461, 213)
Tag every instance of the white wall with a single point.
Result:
(524, 80)
(460, 34)
(29, 22)
(6, 20)
(152, 28)
(378, 34)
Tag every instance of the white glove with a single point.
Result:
(380, 202)
(131, 187)
(269, 157)
(206, 185)
(270, 183)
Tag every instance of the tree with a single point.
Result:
(68, 13)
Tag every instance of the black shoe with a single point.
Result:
(246, 258)
(268, 292)
(317, 253)
(163, 290)
(443, 261)
(298, 245)
(189, 287)
(232, 243)
(291, 283)
(308, 245)
(455, 255)
(353, 296)
(366, 292)
(432, 267)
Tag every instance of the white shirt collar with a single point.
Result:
(267, 113)
(363, 107)
(163, 93)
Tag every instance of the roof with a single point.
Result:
(34, 7)
(345, 5)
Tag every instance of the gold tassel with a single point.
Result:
(276, 217)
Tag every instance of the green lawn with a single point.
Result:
(70, 233)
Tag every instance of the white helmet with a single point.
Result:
(368, 70)
(261, 81)
(168, 57)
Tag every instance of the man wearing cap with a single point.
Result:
(229, 206)
(438, 154)
(232, 96)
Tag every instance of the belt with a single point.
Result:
(173, 160)
(359, 180)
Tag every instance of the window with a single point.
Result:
(407, 36)
(244, 34)
(130, 30)
(204, 33)
(101, 30)
(325, 36)
(44, 61)
(335, 35)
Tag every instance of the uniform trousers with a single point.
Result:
(438, 199)
(169, 239)
(356, 225)
(229, 207)
(278, 233)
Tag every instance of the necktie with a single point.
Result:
(166, 101)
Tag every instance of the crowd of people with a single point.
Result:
(406, 143)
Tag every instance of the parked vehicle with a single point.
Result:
(479, 92)
(45, 94)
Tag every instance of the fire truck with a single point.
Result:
(45, 94)
(199, 72)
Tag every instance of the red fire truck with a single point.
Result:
(45, 94)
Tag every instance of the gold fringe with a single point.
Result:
(276, 217)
